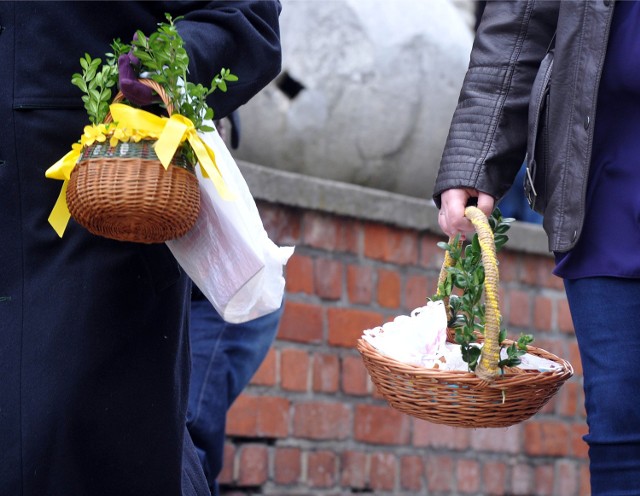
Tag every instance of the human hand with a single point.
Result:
(133, 90)
(453, 203)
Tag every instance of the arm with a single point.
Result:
(487, 139)
(243, 36)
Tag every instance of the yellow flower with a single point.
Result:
(120, 135)
(93, 133)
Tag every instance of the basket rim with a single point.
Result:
(507, 378)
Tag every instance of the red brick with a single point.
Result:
(585, 480)
(355, 378)
(226, 473)
(547, 438)
(388, 288)
(574, 358)
(320, 231)
(299, 275)
(431, 256)
(505, 440)
(494, 475)
(301, 322)
(468, 476)
(253, 465)
(579, 447)
(537, 270)
(522, 480)
(440, 474)
(565, 323)
(281, 223)
(568, 399)
(360, 284)
(354, 469)
(417, 290)
(519, 309)
(389, 244)
(384, 469)
(258, 416)
(381, 425)
(326, 373)
(542, 308)
(412, 473)
(349, 235)
(322, 469)
(440, 436)
(544, 479)
(266, 373)
(346, 325)
(567, 478)
(322, 420)
(287, 465)
(328, 278)
(509, 265)
(294, 370)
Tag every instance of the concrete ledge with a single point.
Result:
(297, 190)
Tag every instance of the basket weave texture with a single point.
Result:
(464, 399)
(125, 193)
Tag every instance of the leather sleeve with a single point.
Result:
(487, 139)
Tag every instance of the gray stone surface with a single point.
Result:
(339, 198)
(380, 82)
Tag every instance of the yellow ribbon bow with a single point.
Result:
(170, 133)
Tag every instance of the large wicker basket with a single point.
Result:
(463, 399)
(125, 193)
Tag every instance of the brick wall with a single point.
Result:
(311, 422)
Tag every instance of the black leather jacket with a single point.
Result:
(530, 92)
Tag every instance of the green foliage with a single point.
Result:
(96, 81)
(515, 350)
(467, 309)
(163, 56)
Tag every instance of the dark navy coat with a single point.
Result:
(94, 358)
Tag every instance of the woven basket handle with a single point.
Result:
(487, 367)
(155, 87)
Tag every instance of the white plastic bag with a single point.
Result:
(228, 253)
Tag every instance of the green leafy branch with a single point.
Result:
(467, 310)
(96, 81)
(163, 55)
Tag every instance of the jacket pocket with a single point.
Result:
(537, 158)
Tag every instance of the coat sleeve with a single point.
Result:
(242, 36)
(487, 137)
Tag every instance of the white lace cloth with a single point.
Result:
(421, 339)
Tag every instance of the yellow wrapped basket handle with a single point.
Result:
(487, 368)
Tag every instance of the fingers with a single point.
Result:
(486, 203)
(451, 218)
(453, 204)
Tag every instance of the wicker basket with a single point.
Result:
(125, 193)
(463, 399)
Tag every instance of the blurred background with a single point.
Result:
(341, 152)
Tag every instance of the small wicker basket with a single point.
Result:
(125, 193)
(462, 399)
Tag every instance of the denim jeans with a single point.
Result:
(605, 312)
(224, 358)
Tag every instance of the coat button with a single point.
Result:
(587, 122)
(575, 236)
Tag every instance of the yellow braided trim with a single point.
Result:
(487, 367)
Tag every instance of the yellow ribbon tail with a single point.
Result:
(60, 215)
(170, 139)
(207, 160)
